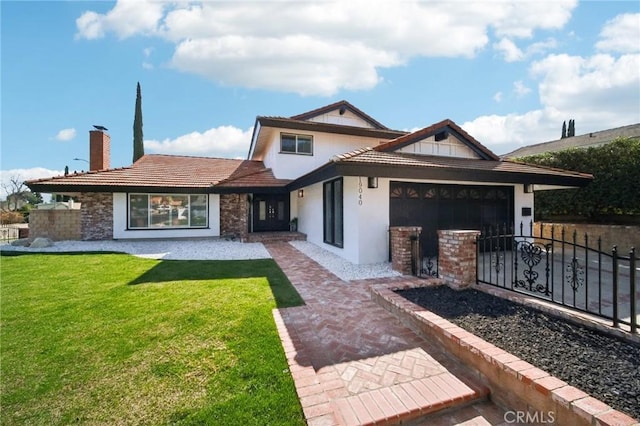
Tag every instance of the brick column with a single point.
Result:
(401, 247)
(457, 258)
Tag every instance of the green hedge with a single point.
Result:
(615, 190)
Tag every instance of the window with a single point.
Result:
(332, 200)
(153, 211)
(296, 144)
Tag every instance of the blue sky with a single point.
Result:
(508, 72)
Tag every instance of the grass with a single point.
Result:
(115, 339)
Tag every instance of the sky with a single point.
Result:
(508, 72)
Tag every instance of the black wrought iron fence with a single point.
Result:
(557, 268)
(424, 254)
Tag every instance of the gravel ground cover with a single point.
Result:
(342, 268)
(603, 366)
(187, 249)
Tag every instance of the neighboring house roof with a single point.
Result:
(342, 106)
(153, 173)
(443, 126)
(593, 139)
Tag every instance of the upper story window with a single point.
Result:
(296, 144)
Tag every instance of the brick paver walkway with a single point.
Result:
(354, 363)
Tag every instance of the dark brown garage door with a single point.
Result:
(436, 206)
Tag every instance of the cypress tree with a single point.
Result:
(564, 130)
(138, 142)
(572, 128)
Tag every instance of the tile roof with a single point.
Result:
(295, 124)
(373, 156)
(252, 174)
(149, 172)
(435, 128)
(581, 141)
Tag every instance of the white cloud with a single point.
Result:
(223, 141)
(512, 53)
(497, 97)
(318, 48)
(520, 89)
(66, 134)
(598, 92)
(621, 34)
(24, 174)
(509, 50)
(127, 18)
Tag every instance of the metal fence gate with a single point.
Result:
(557, 269)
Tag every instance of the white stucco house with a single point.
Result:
(344, 177)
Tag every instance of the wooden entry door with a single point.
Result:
(270, 212)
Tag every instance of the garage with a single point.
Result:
(443, 206)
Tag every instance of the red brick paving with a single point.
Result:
(354, 363)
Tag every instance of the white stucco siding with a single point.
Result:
(325, 146)
(348, 118)
(522, 200)
(120, 230)
(373, 221)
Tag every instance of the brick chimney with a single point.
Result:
(99, 150)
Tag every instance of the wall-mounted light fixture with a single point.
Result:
(528, 188)
(372, 182)
(300, 193)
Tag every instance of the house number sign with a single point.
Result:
(359, 190)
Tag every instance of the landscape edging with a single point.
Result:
(514, 383)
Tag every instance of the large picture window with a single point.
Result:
(333, 225)
(152, 211)
(296, 144)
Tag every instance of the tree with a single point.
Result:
(18, 196)
(564, 130)
(572, 128)
(16, 192)
(138, 142)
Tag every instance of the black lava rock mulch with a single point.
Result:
(603, 366)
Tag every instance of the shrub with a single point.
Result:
(614, 191)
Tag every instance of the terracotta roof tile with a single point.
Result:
(372, 156)
(151, 171)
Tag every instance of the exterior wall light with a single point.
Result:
(528, 188)
(372, 182)
(300, 193)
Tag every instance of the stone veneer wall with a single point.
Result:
(234, 216)
(97, 215)
(57, 225)
(457, 257)
(401, 238)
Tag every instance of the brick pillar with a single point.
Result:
(401, 237)
(457, 257)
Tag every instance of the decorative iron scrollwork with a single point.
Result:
(575, 274)
(531, 255)
(429, 268)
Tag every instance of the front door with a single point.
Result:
(270, 212)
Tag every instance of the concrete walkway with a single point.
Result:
(354, 363)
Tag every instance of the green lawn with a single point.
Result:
(116, 339)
